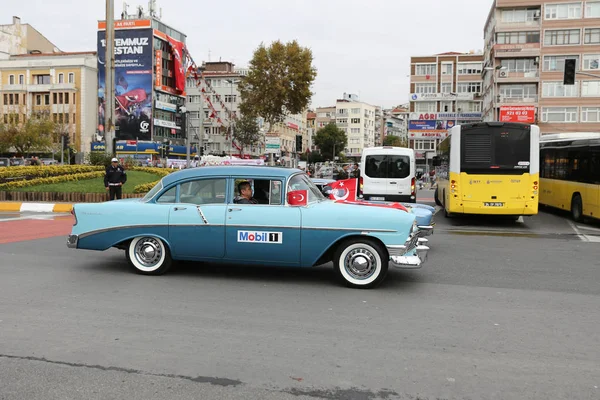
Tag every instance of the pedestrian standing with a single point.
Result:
(114, 179)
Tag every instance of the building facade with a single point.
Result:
(18, 38)
(526, 44)
(325, 116)
(446, 89)
(62, 86)
(357, 119)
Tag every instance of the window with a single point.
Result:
(562, 37)
(5, 98)
(355, 120)
(355, 111)
(55, 98)
(591, 62)
(590, 114)
(66, 98)
(425, 69)
(60, 98)
(425, 88)
(355, 130)
(74, 121)
(469, 87)
(424, 145)
(447, 68)
(17, 98)
(275, 193)
(559, 114)
(591, 36)
(590, 88)
(518, 37)
(425, 107)
(21, 79)
(11, 79)
(592, 9)
(446, 87)
(558, 89)
(66, 118)
(563, 11)
(470, 106)
(61, 78)
(446, 106)
(342, 120)
(342, 111)
(520, 15)
(11, 99)
(387, 166)
(230, 98)
(470, 68)
(216, 83)
(354, 141)
(60, 118)
(170, 196)
(71, 77)
(38, 100)
(302, 182)
(519, 91)
(203, 191)
(41, 79)
(557, 63)
(519, 65)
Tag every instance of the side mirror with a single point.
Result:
(436, 161)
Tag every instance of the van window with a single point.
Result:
(391, 166)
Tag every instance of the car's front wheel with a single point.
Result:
(361, 263)
(148, 255)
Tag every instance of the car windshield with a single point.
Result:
(303, 182)
(157, 188)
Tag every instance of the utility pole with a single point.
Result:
(109, 93)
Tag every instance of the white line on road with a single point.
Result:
(37, 207)
(43, 216)
(578, 232)
(588, 228)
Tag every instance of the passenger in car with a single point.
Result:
(245, 197)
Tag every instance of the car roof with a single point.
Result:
(245, 170)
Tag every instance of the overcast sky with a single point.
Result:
(361, 47)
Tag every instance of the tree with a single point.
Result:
(312, 157)
(246, 132)
(278, 82)
(35, 134)
(329, 138)
(395, 141)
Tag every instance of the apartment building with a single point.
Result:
(526, 44)
(18, 38)
(62, 86)
(325, 116)
(446, 89)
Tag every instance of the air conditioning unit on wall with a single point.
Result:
(502, 74)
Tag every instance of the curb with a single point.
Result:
(35, 207)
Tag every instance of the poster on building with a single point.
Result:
(133, 83)
(522, 114)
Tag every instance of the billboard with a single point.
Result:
(523, 114)
(429, 129)
(133, 83)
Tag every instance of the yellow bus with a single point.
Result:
(489, 168)
(570, 173)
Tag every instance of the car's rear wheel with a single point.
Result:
(437, 199)
(361, 263)
(148, 255)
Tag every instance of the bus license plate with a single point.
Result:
(493, 204)
(377, 198)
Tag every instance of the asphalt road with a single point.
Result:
(502, 310)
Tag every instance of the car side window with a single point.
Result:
(264, 191)
(169, 196)
(203, 191)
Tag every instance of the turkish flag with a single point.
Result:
(344, 190)
(177, 48)
(298, 197)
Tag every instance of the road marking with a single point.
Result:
(37, 207)
(588, 228)
(578, 232)
(521, 220)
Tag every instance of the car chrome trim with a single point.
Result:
(72, 241)
(361, 230)
(410, 262)
(114, 228)
(202, 215)
(263, 226)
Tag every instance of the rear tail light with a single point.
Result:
(73, 214)
(360, 185)
(453, 186)
(535, 187)
(413, 185)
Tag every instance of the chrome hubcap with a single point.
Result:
(148, 252)
(360, 263)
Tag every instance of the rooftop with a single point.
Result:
(61, 54)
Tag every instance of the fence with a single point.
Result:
(52, 197)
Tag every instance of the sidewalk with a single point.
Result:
(7, 206)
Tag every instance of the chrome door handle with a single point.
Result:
(179, 208)
(235, 209)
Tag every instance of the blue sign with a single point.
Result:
(146, 148)
(422, 125)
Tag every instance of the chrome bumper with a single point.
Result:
(72, 241)
(425, 230)
(399, 257)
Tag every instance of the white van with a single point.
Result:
(388, 174)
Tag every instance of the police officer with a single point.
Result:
(114, 179)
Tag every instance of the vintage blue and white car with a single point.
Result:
(193, 215)
(424, 213)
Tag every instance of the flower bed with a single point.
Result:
(12, 174)
(50, 180)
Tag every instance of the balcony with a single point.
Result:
(518, 26)
(507, 76)
(517, 50)
(529, 100)
(14, 88)
(49, 87)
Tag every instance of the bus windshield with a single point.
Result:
(496, 149)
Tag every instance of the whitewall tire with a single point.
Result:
(361, 263)
(148, 255)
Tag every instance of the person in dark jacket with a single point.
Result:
(114, 179)
(245, 197)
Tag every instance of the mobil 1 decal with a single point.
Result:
(260, 237)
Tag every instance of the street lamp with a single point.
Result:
(231, 83)
(494, 84)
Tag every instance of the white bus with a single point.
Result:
(388, 174)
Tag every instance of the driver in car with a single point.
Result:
(245, 197)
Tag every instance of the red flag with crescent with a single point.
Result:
(344, 190)
(298, 198)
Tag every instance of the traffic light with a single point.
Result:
(66, 141)
(201, 150)
(167, 148)
(569, 77)
(298, 143)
